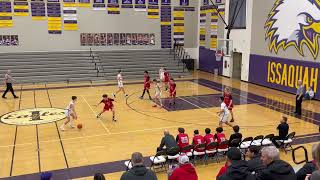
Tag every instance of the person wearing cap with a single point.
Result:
(185, 171)
(46, 176)
(276, 169)
(138, 170)
(238, 169)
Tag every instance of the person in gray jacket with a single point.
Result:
(138, 170)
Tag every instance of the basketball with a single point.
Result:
(79, 126)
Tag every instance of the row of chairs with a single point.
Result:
(214, 150)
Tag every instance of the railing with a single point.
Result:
(97, 63)
(180, 54)
(306, 159)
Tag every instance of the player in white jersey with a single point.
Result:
(158, 92)
(223, 113)
(120, 85)
(71, 114)
(161, 74)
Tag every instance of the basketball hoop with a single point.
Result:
(219, 55)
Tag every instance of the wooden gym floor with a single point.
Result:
(103, 145)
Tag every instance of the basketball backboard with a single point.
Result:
(225, 46)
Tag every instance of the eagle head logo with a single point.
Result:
(294, 23)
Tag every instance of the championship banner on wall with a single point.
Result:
(54, 17)
(178, 25)
(70, 18)
(153, 11)
(140, 5)
(184, 2)
(69, 3)
(21, 7)
(166, 2)
(5, 14)
(214, 30)
(283, 74)
(38, 10)
(166, 40)
(205, 2)
(84, 3)
(113, 7)
(203, 18)
(99, 5)
(221, 8)
(127, 4)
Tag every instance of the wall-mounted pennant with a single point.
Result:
(140, 5)
(127, 4)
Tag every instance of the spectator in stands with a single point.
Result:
(46, 176)
(208, 138)
(255, 164)
(221, 137)
(276, 169)
(309, 167)
(238, 169)
(8, 80)
(185, 171)
(316, 174)
(167, 141)
(283, 129)
(309, 94)
(98, 176)
(138, 170)
(182, 138)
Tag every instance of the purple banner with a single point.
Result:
(127, 4)
(113, 2)
(184, 2)
(165, 2)
(283, 74)
(153, 2)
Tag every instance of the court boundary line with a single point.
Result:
(95, 114)
(15, 137)
(59, 135)
(37, 133)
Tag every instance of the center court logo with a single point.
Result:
(33, 116)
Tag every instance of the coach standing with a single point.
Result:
(8, 81)
(299, 97)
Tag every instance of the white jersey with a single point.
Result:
(225, 115)
(69, 108)
(120, 82)
(161, 74)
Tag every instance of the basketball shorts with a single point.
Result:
(147, 86)
(120, 84)
(224, 118)
(158, 95)
(67, 113)
(107, 108)
(173, 94)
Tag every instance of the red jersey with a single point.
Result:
(183, 140)
(227, 99)
(209, 138)
(221, 137)
(172, 88)
(198, 139)
(107, 104)
(166, 76)
(146, 81)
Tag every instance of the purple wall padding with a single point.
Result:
(207, 61)
(282, 74)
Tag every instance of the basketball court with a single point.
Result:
(104, 145)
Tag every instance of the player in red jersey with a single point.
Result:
(166, 78)
(108, 105)
(228, 101)
(147, 84)
(172, 90)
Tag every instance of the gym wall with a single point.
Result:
(284, 44)
(34, 36)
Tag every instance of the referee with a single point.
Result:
(8, 81)
(299, 97)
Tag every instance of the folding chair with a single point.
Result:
(244, 145)
(128, 165)
(187, 150)
(158, 159)
(211, 150)
(173, 154)
(199, 151)
(285, 144)
(257, 141)
(267, 140)
(223, 148)
(235, 143)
